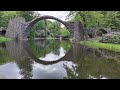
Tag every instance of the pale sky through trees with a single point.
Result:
(59, 14)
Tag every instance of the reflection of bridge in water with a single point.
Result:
(88, 61)
(67, 57)
(20, 50)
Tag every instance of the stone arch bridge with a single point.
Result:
(18, 28)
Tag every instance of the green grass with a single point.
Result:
(96, 44)
(3, 39)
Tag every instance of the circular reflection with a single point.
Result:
(52, 56)
(49, 50)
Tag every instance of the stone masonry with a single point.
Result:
(19, 29)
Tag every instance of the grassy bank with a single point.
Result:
(96, 44)
(3, 39)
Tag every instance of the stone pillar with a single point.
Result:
(77, 32)
(16, 28)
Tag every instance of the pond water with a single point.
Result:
(55, 59)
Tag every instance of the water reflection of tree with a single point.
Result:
(19, 54)
(4, 55)
(71, 72)
(50, 46)
(25, 67)
(53, 46)
(24, 63)
(92, 65)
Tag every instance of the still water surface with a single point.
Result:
(54, 59)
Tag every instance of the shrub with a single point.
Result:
(113, 37)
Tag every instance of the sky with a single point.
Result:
(59, 14)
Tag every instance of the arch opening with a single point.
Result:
(19, 28)
(32, 23)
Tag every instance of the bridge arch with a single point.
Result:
(34, 21)
(19, 29)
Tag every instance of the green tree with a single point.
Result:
(28, 15)
(5, 16)
(111, 19)
(89, 19)
(56, 27)
(96, 19)
(50, 27)
(64, 32)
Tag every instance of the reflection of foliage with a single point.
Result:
(42, 47)
(65, 45)
(25, 68)
(4, 56)
(71, 72)
(93, 65)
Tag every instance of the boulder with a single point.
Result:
(113, 37)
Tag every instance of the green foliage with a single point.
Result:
(50, 27)
(28, 15)
(5, 16)
(89, 19)
(3, 39)
(107, 46)
(111, 38)
(4, 56)
(96, 19)
(64, 32)
(38, 26)
(55, 27)
(32, 34)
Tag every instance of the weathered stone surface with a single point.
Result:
(89, 33)
(16, 28)
(19, 29)
(77, 31)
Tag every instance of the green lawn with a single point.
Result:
(96, 44)
(3, 39)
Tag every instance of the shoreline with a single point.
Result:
(99, 45)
